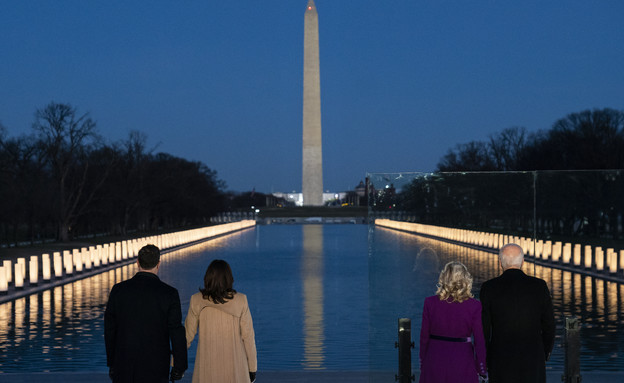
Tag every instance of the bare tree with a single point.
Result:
(473, 156)
(505, 148)
(66, 141)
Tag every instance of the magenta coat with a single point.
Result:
(449, 360)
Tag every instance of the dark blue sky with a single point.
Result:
(402, 81)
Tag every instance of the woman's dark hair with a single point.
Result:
(218, 282)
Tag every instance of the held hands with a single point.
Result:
(483, 379)
(176, 374)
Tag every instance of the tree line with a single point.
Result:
(64, 180)
(592, 139)
(564, 182)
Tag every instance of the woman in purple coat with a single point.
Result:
(452, 348)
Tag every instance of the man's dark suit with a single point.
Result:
(142, 325)
(519, 327)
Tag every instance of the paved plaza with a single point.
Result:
(280, 377)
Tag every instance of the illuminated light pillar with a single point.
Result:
(118, 251)
(86, 258)
(539, 248)
(124, 250)
(556, 251)
(19, 276)
(577, 254)
(67, 262)
(621, 260)
(547, 250)
(58, 264)
(77, 258)
(599, 258)
(110, 250)
(95, 256)
(8, 270)
(567, 253)
(22, 264)
(4, 284)
(46, 269)
(103, 254)
(312, 172)
(612, 257)
(33, 270)
(588, 257)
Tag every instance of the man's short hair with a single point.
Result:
(149, 256)
(511, 255)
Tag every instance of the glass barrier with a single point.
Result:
(569, 223)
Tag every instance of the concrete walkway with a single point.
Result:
(280, 377)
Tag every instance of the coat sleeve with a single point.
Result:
(486, 318)
(177, 334)
(110, 328)
(548, 323)
(479, 341)
(424, 334)
(191, 323)
(249, 338)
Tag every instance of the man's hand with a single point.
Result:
(176, 374)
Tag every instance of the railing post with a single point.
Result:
(572, 371)
(405, 346)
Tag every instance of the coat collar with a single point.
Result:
(513, 272)
(142, 274)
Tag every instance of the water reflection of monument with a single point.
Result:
(312, 277)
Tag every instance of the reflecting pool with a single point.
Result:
(323, 297)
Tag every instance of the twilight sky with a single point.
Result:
(221, 82)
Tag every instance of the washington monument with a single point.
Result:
(312, 171)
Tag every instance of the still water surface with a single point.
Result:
(322, 298)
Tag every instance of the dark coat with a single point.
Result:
(142, 325)
(519, 327)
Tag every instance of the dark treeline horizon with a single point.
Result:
(588, 140)
(64, 180)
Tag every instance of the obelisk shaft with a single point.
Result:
(312, 173)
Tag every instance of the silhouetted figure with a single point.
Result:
(518, 322)
(143, 326)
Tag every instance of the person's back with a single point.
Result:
(226, 337)
(518, 324)
(143, 324)
(451, 319)
(226, 349)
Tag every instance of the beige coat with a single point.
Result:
(226, 349)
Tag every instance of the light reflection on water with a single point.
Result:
(321, 298)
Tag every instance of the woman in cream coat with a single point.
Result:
(226, 349)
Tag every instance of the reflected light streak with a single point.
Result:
(312, 276)
(19, 315)
(33, 305)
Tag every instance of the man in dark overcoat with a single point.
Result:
(143, 326)
(518, 322)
